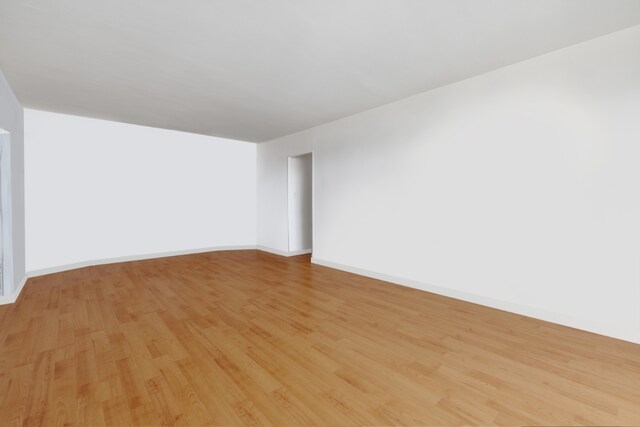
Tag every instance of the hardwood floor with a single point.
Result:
(250, 338)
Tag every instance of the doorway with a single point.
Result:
(300, 196)
(6, 245)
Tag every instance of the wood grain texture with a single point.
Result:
(250, 338)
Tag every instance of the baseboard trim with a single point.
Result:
(560, 319)
(626, 335)
(9, 299)
(90, 263)
(283, 253)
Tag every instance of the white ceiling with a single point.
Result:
(258, 69)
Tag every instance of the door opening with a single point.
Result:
(6, 245)
(300, 196)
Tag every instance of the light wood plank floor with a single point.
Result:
(250, 338)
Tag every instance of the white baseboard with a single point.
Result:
(632, 335)
(283, 253)
(75, 265)
(627, 335)
(10, 299)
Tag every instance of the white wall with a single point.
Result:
(519, 188)
(98, 190)
(300, 203)
(11, 120)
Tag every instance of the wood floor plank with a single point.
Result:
(249, 338)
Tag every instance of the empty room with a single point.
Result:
(319, 213)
